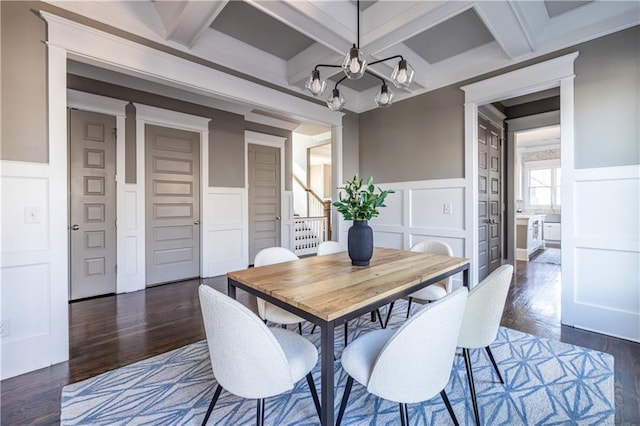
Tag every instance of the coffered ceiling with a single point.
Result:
(280, 42)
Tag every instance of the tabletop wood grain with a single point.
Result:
(329, 287)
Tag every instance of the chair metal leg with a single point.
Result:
(448, 404)
(345, 399)
(216, 394)
(284, 326)
(346, 333)
(495, 366)
(404, 414)
(386, 323)
(260, 413)
(467, 364)
(300, 328)
(409, 307)
(313, 329)
(314, 393)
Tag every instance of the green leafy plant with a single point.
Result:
(359, 201)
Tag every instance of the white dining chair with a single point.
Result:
(434, 291)
(329, 247)
(411, 364)
(268, 311)
(481, 321)
(249, 359)
(441, 288)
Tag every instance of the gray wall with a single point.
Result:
(607, 94)
(350, 145)
(423, 137)
(24, 107)
(417, 139)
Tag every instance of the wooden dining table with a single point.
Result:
(328, 291)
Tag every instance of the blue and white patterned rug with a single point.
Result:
(547, 382)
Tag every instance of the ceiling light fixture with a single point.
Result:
(354, 67)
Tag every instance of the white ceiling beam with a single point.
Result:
(389, 27)
(320, 21)
(237, 55)
(504, 25)
(192, 20)
(533, 17)
(300, 66)
(587, 22)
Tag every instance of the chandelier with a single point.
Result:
(354, 67)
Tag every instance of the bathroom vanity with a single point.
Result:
(528, 235)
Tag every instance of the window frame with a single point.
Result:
(556, 184)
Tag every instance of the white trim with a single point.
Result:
(165, 117)
(146, 114)
(264, 139)
(115, 107)
(544, 75)
(96, 103)
(96, 47)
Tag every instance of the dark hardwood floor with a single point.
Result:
(112, 331)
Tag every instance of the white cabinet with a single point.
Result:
(528, 235)
(551, 231)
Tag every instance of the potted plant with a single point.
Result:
(360, 202)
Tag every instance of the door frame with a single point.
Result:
(544, 75)
(113, 107)
(286, 214)
(146, 114)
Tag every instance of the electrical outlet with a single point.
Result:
(448, 208)
(5, 328)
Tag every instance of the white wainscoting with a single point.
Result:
(287, 220)
(226, 234)
(131, 258)
(38, 332)
(415, 213)
(604, 279)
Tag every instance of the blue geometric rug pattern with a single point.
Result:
(546, 383)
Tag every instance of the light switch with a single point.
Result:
(448, 208)
(32, 215)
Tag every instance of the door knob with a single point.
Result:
(277, 217)
(75, 227)
(196, 222)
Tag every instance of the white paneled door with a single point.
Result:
(93, 209)
(172, 204)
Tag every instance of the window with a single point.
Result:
(543, 184)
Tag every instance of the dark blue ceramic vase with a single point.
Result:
(360, 241)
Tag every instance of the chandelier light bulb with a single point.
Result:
(336, 101)
(402, 75)
(315, 84)
(384, 96)
(354, 66)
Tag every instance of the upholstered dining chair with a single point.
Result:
(441, 288)
(411, 364)
(266, 310)
(329, 247)
(248, 359)
(434, 291)
(481, 321)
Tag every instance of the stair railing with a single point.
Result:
(315, 227)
